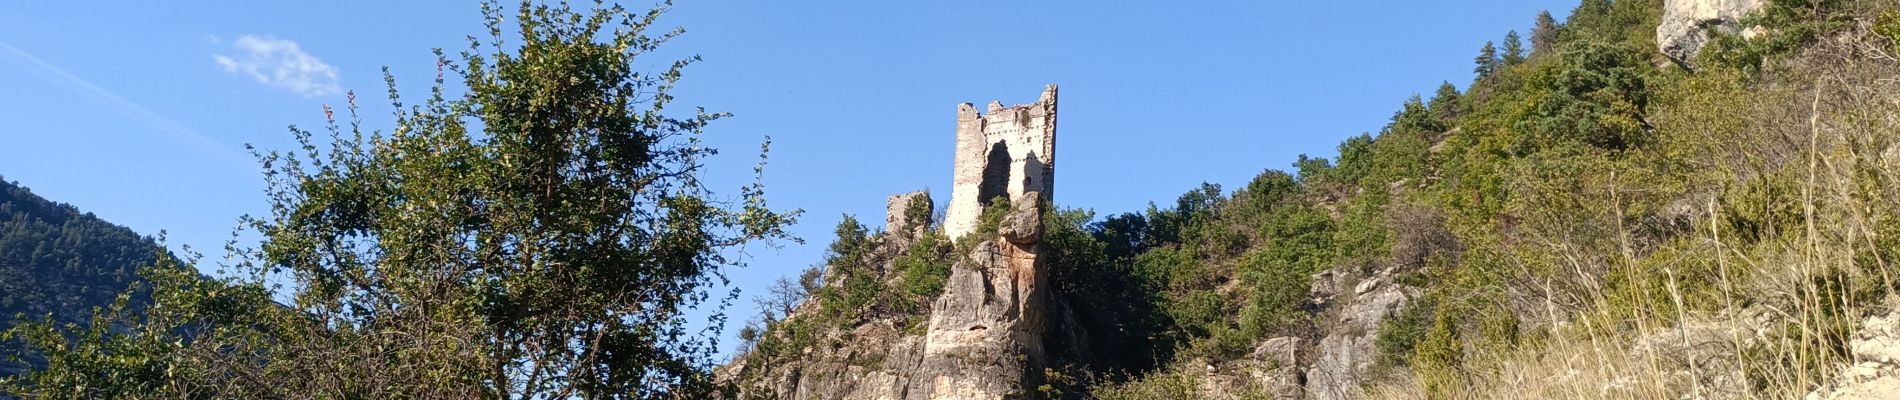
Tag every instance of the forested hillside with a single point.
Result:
(56, 261)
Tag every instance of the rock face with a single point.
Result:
(1346, 353)
(1686, 24)
(1279, 368)
(985, 337)
(873, 361)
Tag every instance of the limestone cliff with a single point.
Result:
(985, 337)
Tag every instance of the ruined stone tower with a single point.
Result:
(1001, 152)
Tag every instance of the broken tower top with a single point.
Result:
(1001, 152)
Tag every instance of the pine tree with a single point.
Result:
(1513, 49)
(1544, 35)
(1444, 104)
(1487, 61)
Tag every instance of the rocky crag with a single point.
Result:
(982, 336)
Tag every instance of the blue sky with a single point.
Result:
(139, 111)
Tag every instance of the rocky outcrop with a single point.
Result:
(1277, 369)
(1346, 354)
(872, 361)
(1686, 24)
(983, 339)
(1875, 372)
(985, 336)
(1273, 370)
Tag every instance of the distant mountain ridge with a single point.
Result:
(56, 260)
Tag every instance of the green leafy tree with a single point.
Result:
(541, 234)
(1094, 283)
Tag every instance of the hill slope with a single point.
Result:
(57, 261)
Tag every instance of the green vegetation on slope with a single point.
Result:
(1588, 192)
(1585, 191)
(58, 264)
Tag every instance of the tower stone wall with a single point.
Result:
(907, 215)
(1001, 152)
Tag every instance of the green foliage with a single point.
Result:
(1595, 96)
(1763, 207)
(855, 285)
(1581, 180)
(1169, 385)
(917, 211)
(1799, 22)
(1513, 51)
(1104, 295)
(1184, 286)
(126, 353)
(1887, 27)
(540, 234)
(855, 288)
(1279, 273)
(1785, 25)
(1487, 62)
(1401, 333)
(1629, 23)
(925, 268)
(987, 224)
(1446, 104)
(1439, 354)
(1191, 210)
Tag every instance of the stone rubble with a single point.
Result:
(1876, 372)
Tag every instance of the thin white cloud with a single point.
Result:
(280, 63)
(120, 104)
